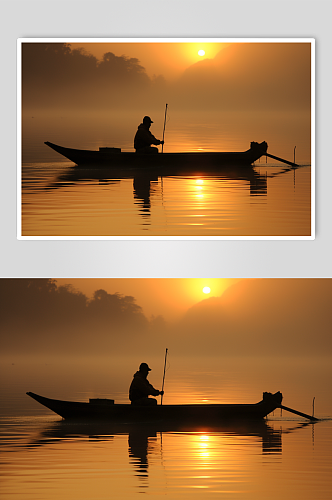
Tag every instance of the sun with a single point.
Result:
(201, 52)
(206, 289)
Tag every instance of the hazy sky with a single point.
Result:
(236, 76)
(167, 59)
(286, 317)
(157, 296)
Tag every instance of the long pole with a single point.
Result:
(282, 160)
(161, 401)
(298, 413)
(162, 146)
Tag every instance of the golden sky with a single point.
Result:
(261, 317)
(167, 59)
(234, 76)
(169, 297)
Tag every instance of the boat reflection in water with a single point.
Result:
(144, 181)
(160, 457)
(140, 436)
(199, 443)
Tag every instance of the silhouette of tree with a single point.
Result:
(55, 74)
(115, 308)
(122, 70)
(37, 314)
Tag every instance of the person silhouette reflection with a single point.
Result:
(138, 449)
(143, 138)
(140, 388)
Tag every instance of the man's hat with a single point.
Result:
(147, 119)
(144, 367)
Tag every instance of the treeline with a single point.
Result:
(38, 315)
(55, 75)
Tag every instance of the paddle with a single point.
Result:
(310, 417)
(161, 401)
(281, 159)
(162, 146)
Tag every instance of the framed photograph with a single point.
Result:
(166, 139)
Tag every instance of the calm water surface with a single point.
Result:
(45, 459)
(284, 456)
(58, 199)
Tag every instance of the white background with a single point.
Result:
(159, 18)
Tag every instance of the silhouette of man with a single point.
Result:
(143, 138)
(140, 388)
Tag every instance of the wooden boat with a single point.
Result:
(113, 157)
(101, 409)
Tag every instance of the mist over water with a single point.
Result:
(186, 130)
(268, 200)
(189, 380)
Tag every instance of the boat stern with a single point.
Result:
(260, 147)
(271, 401)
